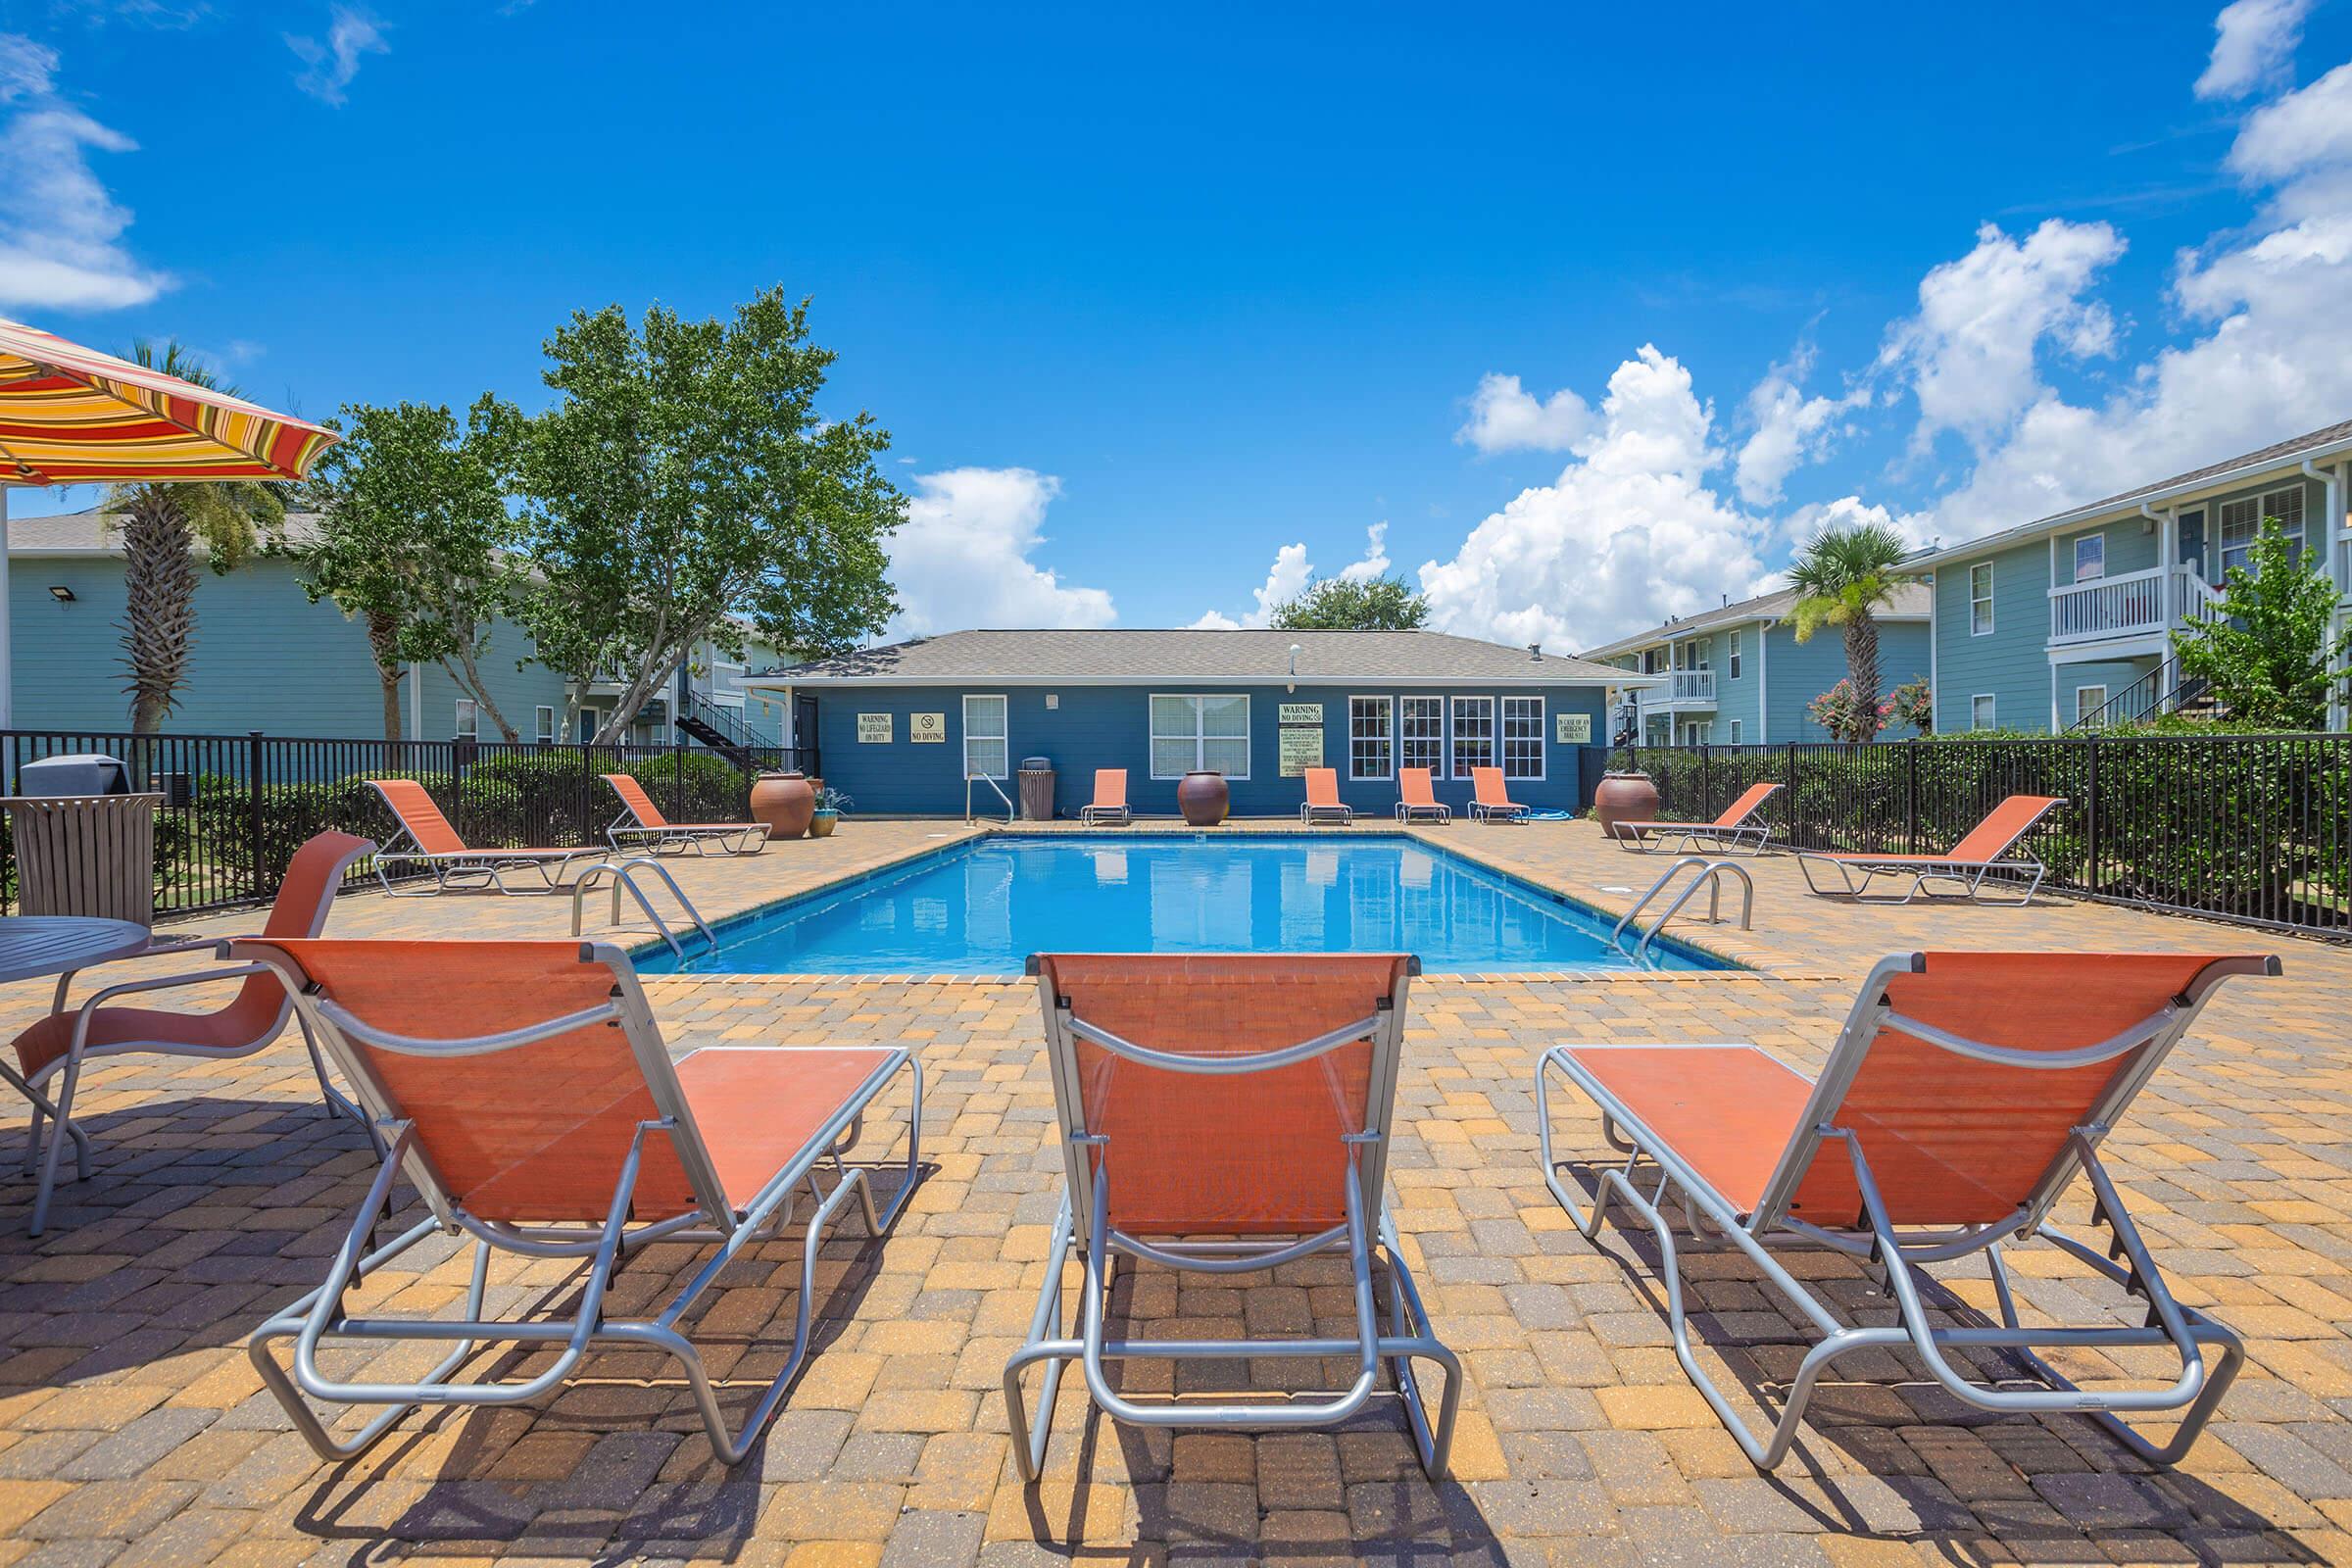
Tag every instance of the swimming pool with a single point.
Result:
(983, 907)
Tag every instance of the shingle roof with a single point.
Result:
(2277, 453)
(1139, 657)
(85, 532)
(1910, 603)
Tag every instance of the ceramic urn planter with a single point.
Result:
(1204, 797)
(1624, 798)
(785, 802)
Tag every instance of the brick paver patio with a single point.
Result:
(132, 1429)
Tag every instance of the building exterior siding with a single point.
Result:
(2010, 664)
(1092, 727)
(1799, 672)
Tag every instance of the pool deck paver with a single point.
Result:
(133, 1431)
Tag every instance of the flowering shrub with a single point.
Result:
(1846, 717)
(1912, 704)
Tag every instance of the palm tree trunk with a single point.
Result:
(1862, 670)
(383, 633)
(159, 592)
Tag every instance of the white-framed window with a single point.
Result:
(469, 720)
(2241, 520)
(1523, 737)
(1980, 598)
(1980, 712)
(1697, 733)
(1421, 734)
(1371, 737)
(1473, 734)
(1736, 732)
(1733, 658)
(1194, 734)
(547, 724)
(985, 748)
(2091, 556)
(2088, 700)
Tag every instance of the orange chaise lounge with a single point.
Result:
(1416, 798)
(1110, 803)
(1491, 797)
(642, 825)
(435, 845)
(1740, 827)
(1979, 860)
(1964, 1097)
(1323, 802)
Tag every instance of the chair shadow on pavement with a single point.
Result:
(1886, 1453)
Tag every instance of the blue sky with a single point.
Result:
(1165, 309)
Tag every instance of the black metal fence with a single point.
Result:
(2251, 828)
(236, 807)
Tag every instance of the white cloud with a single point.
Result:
(962, 559)
(328, 68)
(1374, 562)
(1628, 534)
(2253, 41)
(1505, 417)
(1790, 428)
(2273, 354)
(60, 232)
(1213, 621)
(1916, 529)
(1970, 354)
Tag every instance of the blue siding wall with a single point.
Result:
(264, 657)
(2009, 664)
(1110, 726)
(1799, 672)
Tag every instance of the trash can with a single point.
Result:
(1036, 789)
(85, 845)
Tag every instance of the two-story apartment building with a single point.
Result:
(2071, 618)
(265, 656)
(1738, 676)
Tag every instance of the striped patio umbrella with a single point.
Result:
(73, 416)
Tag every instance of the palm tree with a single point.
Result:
(161, 526)
(1842, 578)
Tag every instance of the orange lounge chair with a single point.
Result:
(1966, 1094)
(1110, 803)
(1223, 1116)
(1737, 828)
(1982, 857)
(642, 824)
(1416, 798)
(59, 1045)
(523, 1090)
(439, 850)
(1323, 803)
(1490, 798)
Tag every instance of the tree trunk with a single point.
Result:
(1862, 670)
(383, 634)
(470, 677)
(159, 602)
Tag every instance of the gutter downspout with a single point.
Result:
(2337, 555)
(2167, 546)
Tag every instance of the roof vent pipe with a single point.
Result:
(1295, 651)
(1535, 651)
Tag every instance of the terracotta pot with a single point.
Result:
(820, 826)
(785, 802)
(1624, 798)
(1202, 798)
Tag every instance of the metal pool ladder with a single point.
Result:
(1710, 876)
(969, 779)
(622, 874)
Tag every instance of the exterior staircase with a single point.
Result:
(724, 731)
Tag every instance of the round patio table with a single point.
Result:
(33, 945)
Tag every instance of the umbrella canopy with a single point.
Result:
(74, 415)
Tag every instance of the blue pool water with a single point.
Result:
(983, 908)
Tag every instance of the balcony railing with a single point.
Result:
(2134, 603)
(1688, 688)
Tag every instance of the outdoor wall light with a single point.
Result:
(61, 593)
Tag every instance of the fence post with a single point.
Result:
(1794, 827)
(1911, 797)
(2090, 811)
(265, 884)
(677, 777)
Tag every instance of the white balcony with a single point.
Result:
(1687, 690)
(2133, 604)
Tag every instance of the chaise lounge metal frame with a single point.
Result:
(323, 1316)
(1831, 1140)
(1983, 859)
(641, 825)
(1737, 831)
(456, 868)
(1084, 1223)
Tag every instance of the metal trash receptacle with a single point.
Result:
(1036, 789)
(83, 843)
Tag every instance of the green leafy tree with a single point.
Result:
(1843, 579)
(162, 526)
(1353, 604)
(2269, 656)
(416, 539)
(684, 484)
